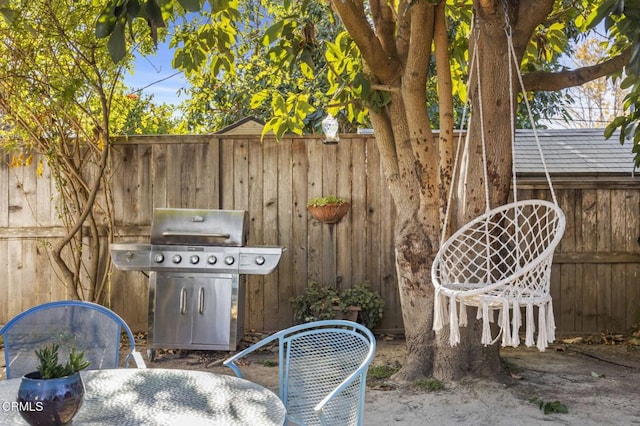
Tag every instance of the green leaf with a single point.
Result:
(9, 15)
(153, 13)
(259, 99)
(611, 128)
(272, 33)
(598, 14)
(190, 5)
(117, 45)
(106, 21)
(133, 8)
(307, 66)
(629, 81)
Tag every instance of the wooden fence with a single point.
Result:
(595, 276)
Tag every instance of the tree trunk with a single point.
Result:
(414, 257)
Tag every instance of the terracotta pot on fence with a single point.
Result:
(330, 213)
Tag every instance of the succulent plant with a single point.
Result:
(50, 367)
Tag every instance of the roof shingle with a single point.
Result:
(572, 151)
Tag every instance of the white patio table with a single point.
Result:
(156, 396)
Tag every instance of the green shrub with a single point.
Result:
(320, 302)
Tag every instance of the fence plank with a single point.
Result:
(174, 164)
(5, 203)
(255, 284)
(314, 189)
(207, 164)
(284, 287)
(5, 308)
(374, 223)
(270, 233)
(300, 224)
(566, 285)
(344, 228)
(226, 174)
(361, 170)
(587, 242)
(603, 245)
(159, 176)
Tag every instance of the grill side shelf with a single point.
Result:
(131, 256)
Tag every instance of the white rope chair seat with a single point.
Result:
(500, 261)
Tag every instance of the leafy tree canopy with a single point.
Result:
(290, 62)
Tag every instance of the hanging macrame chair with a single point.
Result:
(500, 261)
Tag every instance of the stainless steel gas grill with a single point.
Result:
(197, 261)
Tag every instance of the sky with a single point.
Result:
(154, 75)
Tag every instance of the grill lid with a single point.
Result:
(199, 227)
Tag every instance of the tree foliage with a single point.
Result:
(61, 97)
(134, 114)
(622, 20)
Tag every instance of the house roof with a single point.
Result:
(247, 126)
(571, 152)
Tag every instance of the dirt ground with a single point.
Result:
(598, 383)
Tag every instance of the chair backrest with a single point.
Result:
(510, 240)
(87, 327)
(323, 371)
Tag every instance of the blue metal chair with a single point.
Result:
(87, 327)
(323, 370)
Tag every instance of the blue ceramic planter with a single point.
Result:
(50, 401)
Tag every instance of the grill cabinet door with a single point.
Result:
(212, 310)
(173, 309)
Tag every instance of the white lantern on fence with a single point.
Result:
(330, 129)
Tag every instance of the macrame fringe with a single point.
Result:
(437, 311)
(516, 322)
(446, 312)
(542, 328)
(504, 324)
(486, 329)
(530, 326)
(551, 323)
(454, 331)
(463, 315)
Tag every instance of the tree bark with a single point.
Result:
(414, 257)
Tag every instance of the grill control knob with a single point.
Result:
(176, 258)
(211, 260)
(260, 260)
(194, 259)
(158, 258)
(229, 260)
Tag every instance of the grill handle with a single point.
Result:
(201, 301)
(194, 234)
(183, 301)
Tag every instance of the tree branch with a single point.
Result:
(387, 68)
(445, 91)
(550, 81)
